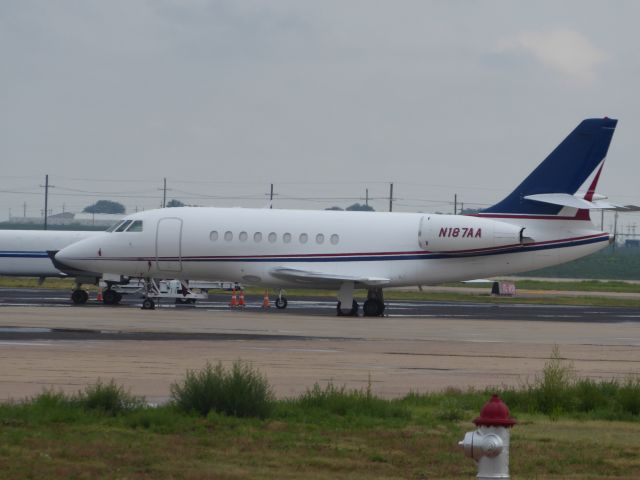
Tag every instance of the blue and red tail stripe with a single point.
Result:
(565, 170)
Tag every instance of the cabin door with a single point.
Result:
(169, 245)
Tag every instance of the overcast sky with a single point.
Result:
(322, 98)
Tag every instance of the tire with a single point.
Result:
(79, 297)
(373, 308)
(109, 297)
(281, 303)
(148, 304)
(118, 298)
(353, 312)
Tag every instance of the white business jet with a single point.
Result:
(544, 221)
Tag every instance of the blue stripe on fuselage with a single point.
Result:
(15, 254)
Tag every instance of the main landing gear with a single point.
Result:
(374, 305)
(110, 296)
(352, 312)
(281, 301)
(79, 296)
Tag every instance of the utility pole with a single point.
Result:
(391, 197)
(46, 199)
(366, 197)
(164, 193)
(24, 210)
(455, 203)
(615, 229)
(271, 197)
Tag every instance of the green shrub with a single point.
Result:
(552, 390)
(629, 396)
(241, 391)
(590, 395)
(108, 398)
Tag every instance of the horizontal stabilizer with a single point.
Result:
(308, 276)
(567, 200)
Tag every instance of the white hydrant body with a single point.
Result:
(489, 444)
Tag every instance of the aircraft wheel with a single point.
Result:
(118, 298)
(281, 302)
(109, 297)
(353, 312)
(79, 297)
(373, 308)
(148, 304)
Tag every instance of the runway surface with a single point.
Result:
(45, 342)
(326, 306)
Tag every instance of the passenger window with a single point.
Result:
(303, 238)
(319, 238)
(123, 226)
(272, 237)
(213, 236)
(286, 238)
(257, 237)
(243, 236)
(136, 226)
(228, 236)
(334, 239)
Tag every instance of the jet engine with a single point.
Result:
(449, 233)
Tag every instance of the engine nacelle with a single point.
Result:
(449, 233)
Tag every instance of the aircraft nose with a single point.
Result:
(65, 257)
(72, 256)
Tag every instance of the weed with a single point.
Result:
(108, 398)
(241, 391)
(629, 396)
(551, 390)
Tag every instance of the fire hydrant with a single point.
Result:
(489, 444)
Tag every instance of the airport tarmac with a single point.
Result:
(434, 347)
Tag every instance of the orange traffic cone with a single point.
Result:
(265, 300)
(233, 303)
(241, 303)
(99, 296)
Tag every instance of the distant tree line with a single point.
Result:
(356, 207)
(105, 206)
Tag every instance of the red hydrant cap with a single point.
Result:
(495, 414)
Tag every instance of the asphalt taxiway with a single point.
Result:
(420, 346)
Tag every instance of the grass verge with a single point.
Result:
(328, 432)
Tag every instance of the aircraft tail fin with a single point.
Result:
(550, 190)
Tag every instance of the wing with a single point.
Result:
(324, 278)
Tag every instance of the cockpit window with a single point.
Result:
(136, 226)
(123, 226)
(114, 226)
